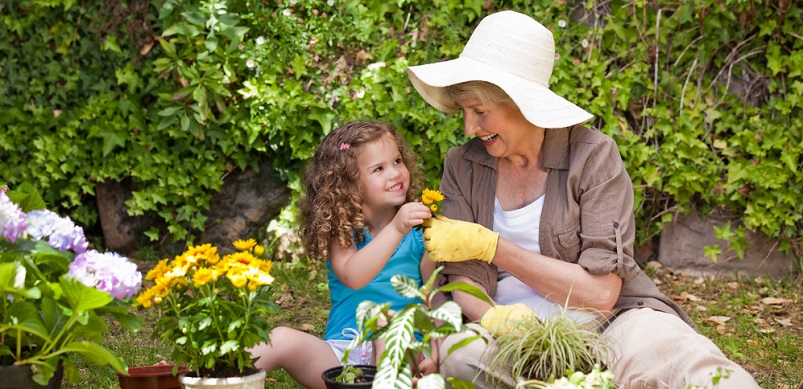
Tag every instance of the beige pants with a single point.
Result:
(655, 350)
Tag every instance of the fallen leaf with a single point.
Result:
(701, 308)
(774, 301)
(733, 285)
(688, 296)
(752, 341)
(760, 321)
(286, 298)
(307, 327)
(720, 320)
(657, 281)
(766, 330)
(699, 280)
(721, 330)
(783, 322)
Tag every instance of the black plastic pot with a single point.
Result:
(21, 377)
(368, 373)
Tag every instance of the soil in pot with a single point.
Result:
(365, 380)
(151, 377)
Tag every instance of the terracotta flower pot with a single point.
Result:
(329, 377)
(151, 377)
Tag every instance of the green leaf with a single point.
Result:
(299, 66)
(406, 286)
(467, 288)
(713, 252)
(24, 316)
(27, 197)
(432, 381)
(81, 298)
(12, 280)
(229, 346)
(449, 312)
(110, 141)
(460, 384)
(110, 43)
(98, 354)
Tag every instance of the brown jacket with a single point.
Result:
(587, 216)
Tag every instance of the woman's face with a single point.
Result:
(502, 128)
(384, 179)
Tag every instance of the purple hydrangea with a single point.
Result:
(12, 219)
(109, 272)
(62, 233)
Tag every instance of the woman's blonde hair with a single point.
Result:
(331, 207)
(486, 92)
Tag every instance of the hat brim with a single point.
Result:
(538, 104)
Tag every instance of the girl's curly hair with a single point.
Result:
(331, 207)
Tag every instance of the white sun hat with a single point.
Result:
(513, 52)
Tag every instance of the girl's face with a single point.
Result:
(384, 179)
(502, 128)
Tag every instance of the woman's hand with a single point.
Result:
(501, 319)
(448, 240)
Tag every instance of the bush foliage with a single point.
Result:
(703, 97)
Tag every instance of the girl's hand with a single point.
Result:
(409, 216)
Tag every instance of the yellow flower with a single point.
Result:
(243, 245)
(203, 251)
(203, 276)
(159, 270)
(433, 207)
(144, 298)
(237, 278)
(258, 249)
(430, 196)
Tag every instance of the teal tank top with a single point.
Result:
(404, 261)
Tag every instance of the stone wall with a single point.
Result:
(682, 248)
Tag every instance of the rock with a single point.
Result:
(247, 202)
(121, 232)
(682, 248)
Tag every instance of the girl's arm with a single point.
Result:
(426, 268)
(356, 268)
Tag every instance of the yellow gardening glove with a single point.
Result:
(501, 319)
(448, 240)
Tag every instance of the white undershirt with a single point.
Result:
(522, 226)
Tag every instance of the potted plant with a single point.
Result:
(212, 308)
(398, 363)
(538, 352)
(54, 293)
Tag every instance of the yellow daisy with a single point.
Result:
(430, 196)
(243, 245)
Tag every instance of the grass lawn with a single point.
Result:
(757, 322)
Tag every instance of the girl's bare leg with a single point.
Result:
(302, 355)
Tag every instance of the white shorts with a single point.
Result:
(360, 355)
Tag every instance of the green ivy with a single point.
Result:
(703, 97)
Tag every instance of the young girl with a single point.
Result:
(358, 212)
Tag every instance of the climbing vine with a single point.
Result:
(703, 97)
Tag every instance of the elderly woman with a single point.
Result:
(553, 207)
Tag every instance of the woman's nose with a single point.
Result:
(469, 124)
